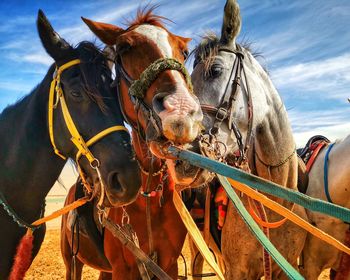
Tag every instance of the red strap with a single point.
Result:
(314, 155)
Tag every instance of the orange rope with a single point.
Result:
(289, 215)
(62, 211)
(262, 223)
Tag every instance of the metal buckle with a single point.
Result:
(221, 114)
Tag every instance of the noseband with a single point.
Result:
(56, 96)
(225, 111)
(138, 89)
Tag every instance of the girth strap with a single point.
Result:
(325, 173)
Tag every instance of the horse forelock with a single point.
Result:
(206, 51)
(209, 47)
(146, 15)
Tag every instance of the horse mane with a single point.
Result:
(208, 49)
(94, 63)
(146, 15)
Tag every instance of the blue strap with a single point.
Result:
(325, 173)
(263, 185)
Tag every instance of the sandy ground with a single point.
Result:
(48, 265)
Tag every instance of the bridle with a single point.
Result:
(208, 141)
(56, 96)
(138, 88)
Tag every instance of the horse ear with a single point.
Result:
(185, 40)
(231, 25)
(54, 45)
(110, 54)
(107, 33)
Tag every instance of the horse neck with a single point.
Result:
(272, 137)
(29, 168)
(147, 163)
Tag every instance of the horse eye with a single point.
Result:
(75, 93)
(122, 47)
(185, 54)
(216, 70)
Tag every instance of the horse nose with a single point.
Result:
(116, 187)
(122, 189)
(177, 103)
(158, 102)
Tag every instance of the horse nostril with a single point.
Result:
(158, 102)
(114, 183)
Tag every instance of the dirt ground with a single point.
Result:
(48, 265)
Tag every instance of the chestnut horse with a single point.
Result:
(33, 130)
(160, 112)
(246, 126)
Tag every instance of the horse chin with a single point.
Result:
(188, 176)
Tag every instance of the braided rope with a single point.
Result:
(11, 212)
(139, 87)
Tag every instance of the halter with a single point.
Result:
(137, 91)
(56, 96)
(138, 88)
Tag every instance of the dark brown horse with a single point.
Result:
(29, 166)
(161, 110)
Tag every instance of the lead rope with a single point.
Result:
(129, 231)
(266, 257)
(152, 253)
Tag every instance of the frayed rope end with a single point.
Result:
(23, 257)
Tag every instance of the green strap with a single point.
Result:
(139, 87)
(257, 232)
(263, 185)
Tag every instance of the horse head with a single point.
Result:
(154, 87)
(213, 82)
(84, 118)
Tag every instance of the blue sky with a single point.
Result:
(306, 48)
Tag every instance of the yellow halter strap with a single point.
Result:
(56, 96)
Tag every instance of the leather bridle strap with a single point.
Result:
(224, 110)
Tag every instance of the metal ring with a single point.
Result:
(95, 163)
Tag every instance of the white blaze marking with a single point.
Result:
(158, 36)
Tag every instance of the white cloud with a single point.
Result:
(38, 58)
(334, 124)
(16, 86)
(330, 76)
(334, 132)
